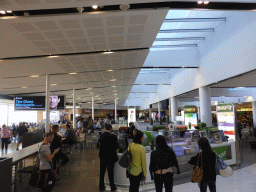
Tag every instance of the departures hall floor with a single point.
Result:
(82, 174)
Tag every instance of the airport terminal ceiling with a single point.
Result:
(103, 53)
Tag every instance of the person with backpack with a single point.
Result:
(162, 161)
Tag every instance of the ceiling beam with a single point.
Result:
(180, 39)
(186, 30)
(174, 46)
(195, 20)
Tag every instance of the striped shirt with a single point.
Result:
(5, 133)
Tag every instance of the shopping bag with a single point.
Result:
(222, 168)
(198, 170)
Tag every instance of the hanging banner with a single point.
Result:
(226, 119)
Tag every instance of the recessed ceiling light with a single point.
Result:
(110, 70)
(95, 6)
(108, 52)
(206, 2)
(113, 80)
(3, 12)
(9, 11)
(54, 56)
(53, 84)
(115, 94)
(113, 86)
(34, 76)
(23, 87)
(199, 2)
(72, 73)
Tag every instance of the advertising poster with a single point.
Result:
(190, 114)
(224, 152)
(225, 117)
(131, 115)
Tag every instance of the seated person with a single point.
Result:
(71, 136)
(56, 144)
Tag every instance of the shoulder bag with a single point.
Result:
(126, 158)
(222, 168)
(198, 170)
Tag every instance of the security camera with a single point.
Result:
(80, 9)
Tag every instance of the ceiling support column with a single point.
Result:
(74, 108)
(116, 111)
(47, 104)
(205, 105)
(254, 113)
(92, 107)
(174, 108)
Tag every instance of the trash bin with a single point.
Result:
(5, 174)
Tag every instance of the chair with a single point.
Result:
(89, 140)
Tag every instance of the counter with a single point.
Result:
(226, 150)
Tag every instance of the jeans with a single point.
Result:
(103, 167)
(166, 179)
(211, 184)
(5, 143)
(135, 182)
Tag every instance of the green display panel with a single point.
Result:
(224, 152)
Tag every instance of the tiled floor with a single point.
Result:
(82, 174)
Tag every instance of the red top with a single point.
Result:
(5, 133)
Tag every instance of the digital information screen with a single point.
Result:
(29, 103)
(57, 102)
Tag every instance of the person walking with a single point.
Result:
(138, 171)
(21, 130)
(209, 165)
(46, 157)
(162, 161)
(5, 137)
(107, 146)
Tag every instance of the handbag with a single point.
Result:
(222, 168)
(126, 158)
(42, 179)
(9, 141)
(198, 170)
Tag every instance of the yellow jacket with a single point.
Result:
(138, 163)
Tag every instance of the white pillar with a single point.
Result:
(205, 105)
(170, 109)
(254, 113)
(174, 109)
(116, 111)
(159, 111)
(92, 108)
(74, 108)
(47, 104)
(149, 112)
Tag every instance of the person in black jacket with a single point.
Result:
(107, 152)
(56, 144)
(162, 161)
(209, 165)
